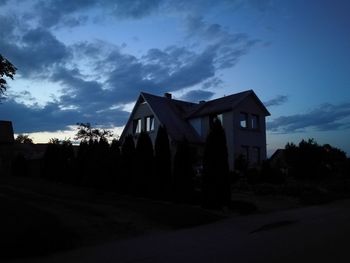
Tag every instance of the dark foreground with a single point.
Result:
(313, 234)
(40, 218)
(45, 222)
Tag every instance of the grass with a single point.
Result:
(39, 218)
(28, 231)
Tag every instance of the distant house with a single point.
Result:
(10, 150)
(6, 146)
(242, 116)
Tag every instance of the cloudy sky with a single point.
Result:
(87, 61)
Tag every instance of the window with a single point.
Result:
(137, 126)
(150, 123)
(255, 122)
(215, 117)
(243, 120)
(220, 118)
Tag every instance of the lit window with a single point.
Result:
(220, 118)
(137, 126)
(150, 123)
(255, 122)
(243, 120)
(215, 117)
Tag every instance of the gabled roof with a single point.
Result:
(171, 113)
(225, 104)
(174, 114)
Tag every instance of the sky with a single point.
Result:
(88, 60)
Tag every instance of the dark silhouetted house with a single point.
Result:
(242, 116)
(6, 146)
(6, 132)
(10, 150)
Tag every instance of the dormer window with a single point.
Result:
(215, 117)
(150, 123)
(243, 120)
(137, 126)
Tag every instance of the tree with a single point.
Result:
(161, 184)
(87, 132)
(6, 70)
(115, 166)
(144, 165)
(128, 169)
(183, 173)
(309, 160)
(22, 138)
(215, 183)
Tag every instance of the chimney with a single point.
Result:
(167, 95)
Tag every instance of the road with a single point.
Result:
(311, 234)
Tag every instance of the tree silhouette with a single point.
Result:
(216, 187)
(22, 138)
(161, 184)
(87, 132)
(144, 165)
(311, 161)
(183, 173)
(58, 161)
(128, 159)
(115, 166)
(6, 70)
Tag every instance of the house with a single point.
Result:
(10, 150)
(242, 116)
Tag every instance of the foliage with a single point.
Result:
(161, 183)
(309, 160)
(6, 70)
(58, 161)
(183, 173)
(87, 132)
(144, 170)
(128, 157)
(22, 138)
(216, 187)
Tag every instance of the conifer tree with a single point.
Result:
(128, 159)
(161, 184)
(144, 165)
(183, 173)
(215, 183)
(115, 166)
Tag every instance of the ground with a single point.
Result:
(45, 222)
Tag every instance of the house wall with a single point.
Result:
(142, 111)
(248, 137)
(237, 137)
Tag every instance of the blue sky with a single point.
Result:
(87, 61)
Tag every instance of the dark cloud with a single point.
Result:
(52, 117)
(51, 13)
(214, 82)
(197, 95)
(98, 78)
(33, 52)
(135, 9)
(229, 47)
(278, 100)
(327, 117)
